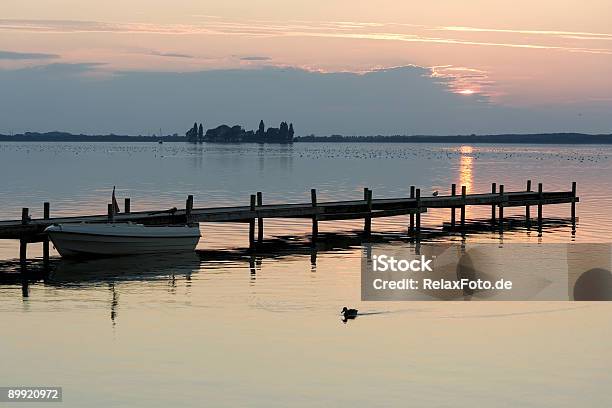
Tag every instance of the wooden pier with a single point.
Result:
(29, 230)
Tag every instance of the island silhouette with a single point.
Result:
(236, 134)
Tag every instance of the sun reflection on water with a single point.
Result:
(466, 176)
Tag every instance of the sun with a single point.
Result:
(467, 92)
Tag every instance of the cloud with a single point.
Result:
(170, 54)
(255, 58)
(562, 34)
(13, 55)
(56, 70)
(401, 100)
(462, 79)
(70, 67)
(389, 36)
(347, 30)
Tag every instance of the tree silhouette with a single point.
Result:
(260, 135)
(283, 132)
(200, 133)
(192, 134)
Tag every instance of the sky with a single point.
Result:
(351, 67)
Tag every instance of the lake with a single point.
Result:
(227, 328)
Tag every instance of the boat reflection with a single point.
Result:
(141, 267)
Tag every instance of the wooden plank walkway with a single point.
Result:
(32, 230)
(338, 210)
(28, 230)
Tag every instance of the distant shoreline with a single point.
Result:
(536, 138)
(68, 137)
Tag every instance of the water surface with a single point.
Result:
(228, 328)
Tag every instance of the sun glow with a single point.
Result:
(467, 92)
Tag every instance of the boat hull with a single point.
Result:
(72, 242)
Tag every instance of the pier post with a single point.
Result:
(23, 253)
(25, 217)
(110, 213)
(527, 208)
(188, 208)
(540, 208)
(501, 208)
(411, 228)
(493, 191)
(463, 194)
(418, 207)
(453, 212)
(46, 216)
(127, 208)
(260, 223)
(252, 223)
(315, 221)
(573, 206)
(23, 243)
(367, 225)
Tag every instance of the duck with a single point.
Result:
(435, 193)
(349, 313)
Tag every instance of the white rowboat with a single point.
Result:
(72, 240)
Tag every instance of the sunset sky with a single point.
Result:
(481, 66)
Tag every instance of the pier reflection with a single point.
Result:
(114, 303)
(175, 272)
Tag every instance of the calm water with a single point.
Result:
(228, 329)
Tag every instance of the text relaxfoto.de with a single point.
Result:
(385, 263)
